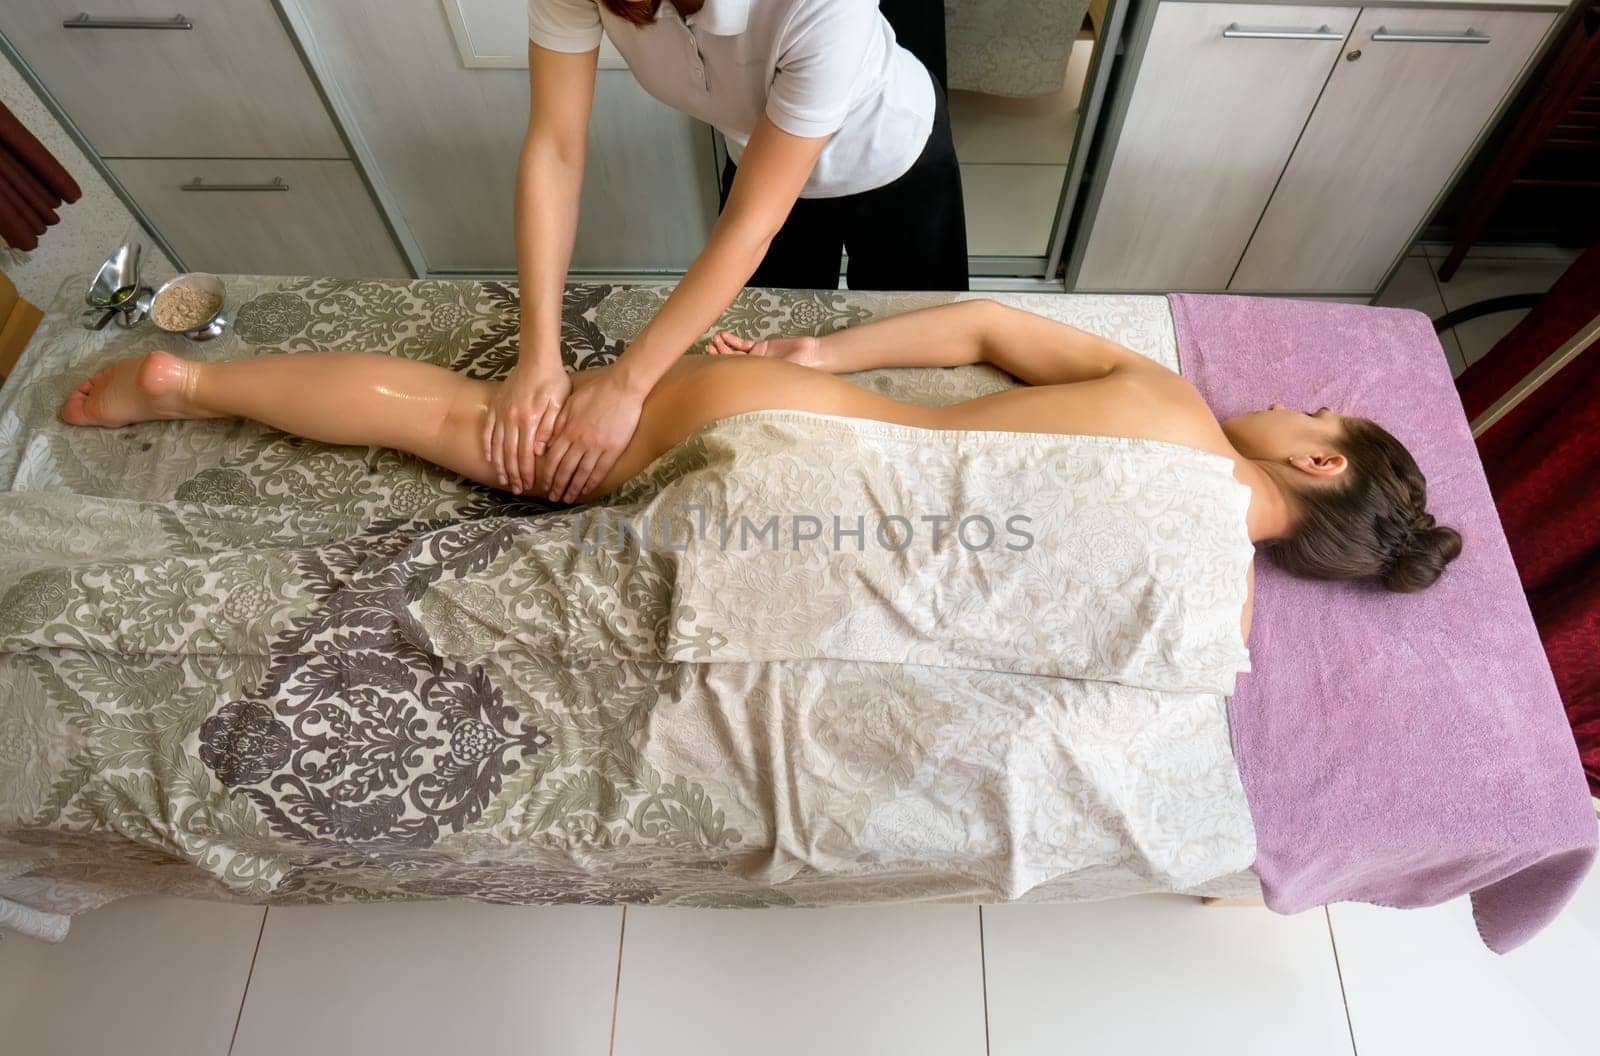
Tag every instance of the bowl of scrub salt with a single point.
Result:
(190, 304)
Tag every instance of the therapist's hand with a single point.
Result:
(522, 417)
(591, 432)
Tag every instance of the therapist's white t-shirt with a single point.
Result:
(814, 67)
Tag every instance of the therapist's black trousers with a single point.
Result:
(908, 235)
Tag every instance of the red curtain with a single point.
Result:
(32, 184)
(1543, 464)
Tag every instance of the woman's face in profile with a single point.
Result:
(1278, 433)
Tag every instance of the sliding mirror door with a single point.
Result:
(1025, 79)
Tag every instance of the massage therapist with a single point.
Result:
(838, 138)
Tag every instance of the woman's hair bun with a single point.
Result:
(1421, 558)
(1374, 523)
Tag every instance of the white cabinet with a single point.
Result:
(1202, 143)
(165, 93)
(442, 140)
(263, 217)
(1399, 113)
(139, 79)
(1274, 148)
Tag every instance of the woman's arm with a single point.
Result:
(771, 174)
(1029, 347)
(549, 181)
(1249, 603)
(596, 423)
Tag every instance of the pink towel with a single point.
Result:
(1395, 749)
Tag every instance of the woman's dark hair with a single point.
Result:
(639, 12)
(1373, 523)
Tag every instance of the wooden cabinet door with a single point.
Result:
(444, 139)
(229, 85)
(1379, 152)
(317, 219)
(1212, 119)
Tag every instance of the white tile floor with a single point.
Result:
(1488, 271)
(424, 977)
(1014, 156)
(1010, 209)
(1143, 975)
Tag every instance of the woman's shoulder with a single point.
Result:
(1163, 405)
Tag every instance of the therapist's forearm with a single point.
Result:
(731, 255)
(544, 237)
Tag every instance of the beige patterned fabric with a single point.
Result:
(238, 665)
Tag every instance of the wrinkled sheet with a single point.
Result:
(1402, 749)
(238, 665)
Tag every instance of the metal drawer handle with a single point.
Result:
(1234, 31)
(1471, 36)
(198, 184)
(85, 21)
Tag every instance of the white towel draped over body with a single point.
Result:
(1088, 557)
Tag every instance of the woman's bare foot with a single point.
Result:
(135, 389)
(801, 350)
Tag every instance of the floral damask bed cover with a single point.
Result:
(234, 664)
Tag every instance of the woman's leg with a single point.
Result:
(368, 398)
(364, 398)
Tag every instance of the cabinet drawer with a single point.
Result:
(324, 223)
(1387, 134)
(232, 85)
(1213, 117)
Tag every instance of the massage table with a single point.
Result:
(1399, 750)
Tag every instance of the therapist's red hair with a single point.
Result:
(639, 12)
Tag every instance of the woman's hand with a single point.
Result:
(522, 417)
(802, 350)
(591, 432)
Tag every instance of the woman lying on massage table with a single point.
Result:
(1333, 497)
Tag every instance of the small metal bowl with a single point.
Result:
(198, 280)
(117, 280)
